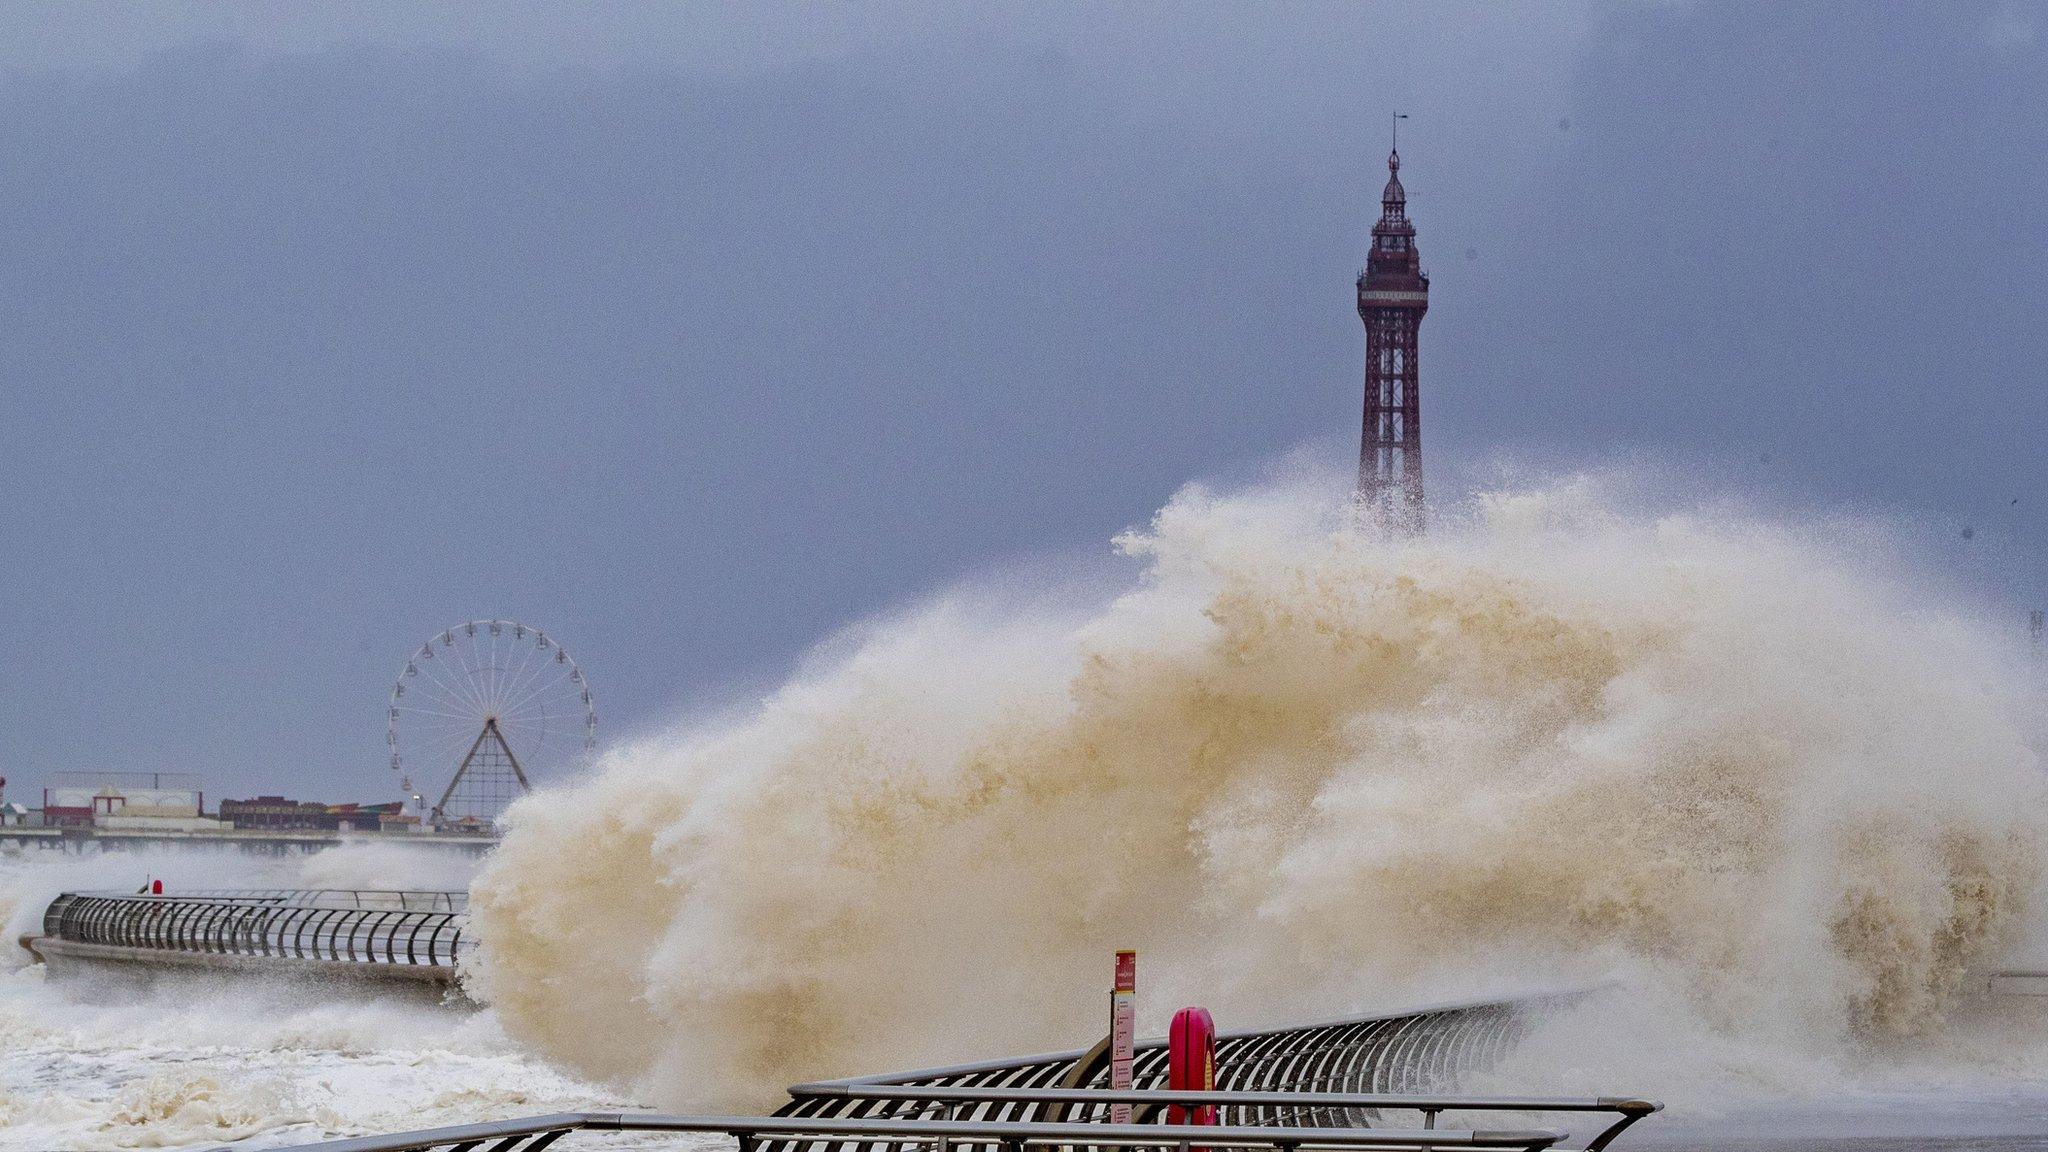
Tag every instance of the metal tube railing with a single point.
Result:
(535, 1133)
(1627, 1110)
(374, 928)
(1416, 1051)
(1245, 1059)
(402, 899)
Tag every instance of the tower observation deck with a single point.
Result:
(1393, 294)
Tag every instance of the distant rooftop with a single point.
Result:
(154, 780)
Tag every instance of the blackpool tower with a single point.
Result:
(1392, 296)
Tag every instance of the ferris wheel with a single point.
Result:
(483, 705)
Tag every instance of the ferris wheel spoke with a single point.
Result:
(485, 659)
(474, 687)
(555, 741)
(451, 732)
(542, 723)
(442, 729)
(476, 674)
(527, 672)
(427, 672)
(523, 726)
(438, 704)
(433, 685)
(432, 712)
(535, 718)
(538, 747)
(428, 739)
(443, 755)
(497, 668)
(452, 684)
(565, 675)
(440, 700)
(437, 720)
(501, 671)
(533, 705)
(468, 681)
(515, 671)
(442, 751)
(428, 683)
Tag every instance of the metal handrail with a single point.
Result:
(535, 1133)
(1628, 1110)
(1458, 1008)
(1418, 1051)
(279, 926)
(405, 899)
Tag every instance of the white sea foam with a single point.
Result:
(105, 1061)
(195, 1063)
(1758, 770)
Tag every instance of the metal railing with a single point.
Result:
(372, 928)
(1235, 1109)
(1416, 1051)
(539, 1132)
(402, 899)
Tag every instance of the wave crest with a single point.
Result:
(1303, 770)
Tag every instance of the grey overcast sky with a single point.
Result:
(692, 332)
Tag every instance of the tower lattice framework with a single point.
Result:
(1393, 294)
(487, 781)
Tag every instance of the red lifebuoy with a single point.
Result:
(1191, 1063)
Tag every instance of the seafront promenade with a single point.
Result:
(255, 841)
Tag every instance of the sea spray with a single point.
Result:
(96, 1059)
(1302, 769)
(30, 879)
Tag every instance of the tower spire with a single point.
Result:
(1393, 294)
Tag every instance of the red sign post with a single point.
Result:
(1123, 1022)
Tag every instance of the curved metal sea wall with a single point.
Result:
(390, 934)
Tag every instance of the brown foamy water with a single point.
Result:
(1744, 766)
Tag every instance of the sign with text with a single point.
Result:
(1123, 1024)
